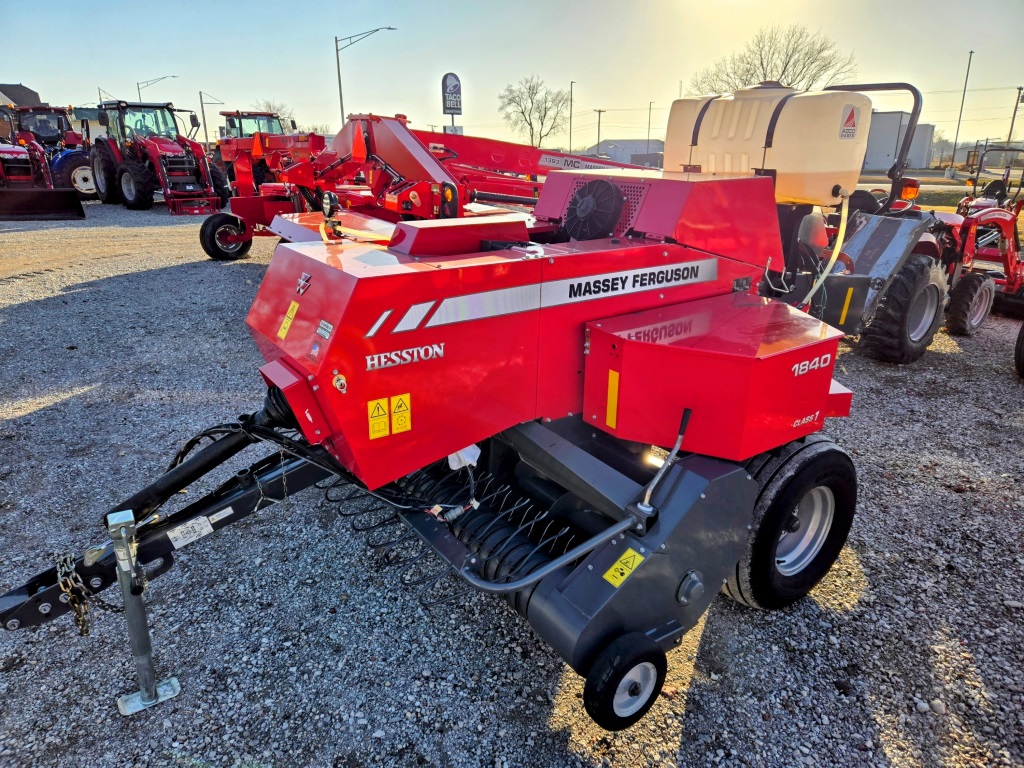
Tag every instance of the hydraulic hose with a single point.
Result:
(836, 248)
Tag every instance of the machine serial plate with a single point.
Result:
(188, 532)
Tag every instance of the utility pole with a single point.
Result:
(599, 113)
(649, 106)
(680, 89)
(1020, 89)
(952, 157)
(338, 48)
(571, 84)
(202, 110)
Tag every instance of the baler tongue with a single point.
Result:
(30, 204)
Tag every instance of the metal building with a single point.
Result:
(887, 131)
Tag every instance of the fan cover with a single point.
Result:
(594, 210)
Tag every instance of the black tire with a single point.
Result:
(1018, 353)
(909, 314)
(217, 224)
(261, 175)
(221, 188)
(137, 185)
(72, 176)
(637, 665)
(970, 303)
(104, 174)
(802, 479)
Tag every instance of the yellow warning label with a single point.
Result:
(612, 406)
(401, 413)
(287, 322)
(377, 413)
(628, 562)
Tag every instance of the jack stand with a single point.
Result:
(129, 577)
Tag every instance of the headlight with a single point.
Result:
(329, 204)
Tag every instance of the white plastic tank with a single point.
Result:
(817, 143)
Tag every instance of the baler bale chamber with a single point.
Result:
(588, 411)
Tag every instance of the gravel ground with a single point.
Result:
(119, 340)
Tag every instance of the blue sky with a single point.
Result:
(622, 54)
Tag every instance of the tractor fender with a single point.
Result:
(60, 159)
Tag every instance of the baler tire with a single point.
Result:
(261, 175)
(798, 472)
(970, 303)
(214, 249)
(1018, 353)
(66, 178)
(221, 187)
(139, 194)
(634, 661)
(104, 174)
(889, 335)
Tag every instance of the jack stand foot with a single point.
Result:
(130, 703)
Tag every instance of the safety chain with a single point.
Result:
(79, 596)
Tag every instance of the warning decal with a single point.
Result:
(851, 116)
(287, 322)
(377, 414)
(401, 413)
(628, 562)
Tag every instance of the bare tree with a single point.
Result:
(793, 56)
(269, 105)
(532, 109)
(321, 128)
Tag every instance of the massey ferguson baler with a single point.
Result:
(590, 412)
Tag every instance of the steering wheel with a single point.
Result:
(140, 128)
(884, 195)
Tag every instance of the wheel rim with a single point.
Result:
(979, 309)
(101, 181)
(805, 531)
(82, 180)
(922, 313)
(635, 689)
(227, 230)
(128, 186)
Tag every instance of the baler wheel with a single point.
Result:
(104, 174)
(909, 314)
(624, 681)
(970, 304)
(137, 185)
(217, 226)
(806, 503)
(1018, 353)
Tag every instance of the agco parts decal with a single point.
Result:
(851, 116)
(404, 356)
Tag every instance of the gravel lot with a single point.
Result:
(119, 340)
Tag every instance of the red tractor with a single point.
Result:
(254, 147)
(26, 184)
(144, 152)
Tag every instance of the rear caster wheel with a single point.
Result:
(970, 303)
(801, 520)
(212, 236)
(624, 681)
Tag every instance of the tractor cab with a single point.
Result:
(243, 125)
(50, 127)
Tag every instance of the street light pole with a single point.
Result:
(649, 107)
(599, 113)
(952, 157)
(338, 48)
(146, 83)
(571, 84)
(213, 100)
(1009, 138)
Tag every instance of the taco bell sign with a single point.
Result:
(451, 94)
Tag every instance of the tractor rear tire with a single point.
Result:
(970, 303)
(77, 174)
(803, 514)
(137, 185)
(624, 681)
(104, 175)
(909, 313)
(221, 188)
(213, 228)
(1018, 353)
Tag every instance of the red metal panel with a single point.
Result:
(756, 373)
(441, 237)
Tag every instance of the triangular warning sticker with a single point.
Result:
(378, 412)
(627, 562)
(400, 406)
(851, 119)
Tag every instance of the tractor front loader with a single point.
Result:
(26, 186)
(588, 411)
(145, 152)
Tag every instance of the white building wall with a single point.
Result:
(885, 136)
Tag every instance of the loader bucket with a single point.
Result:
(28, 204)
